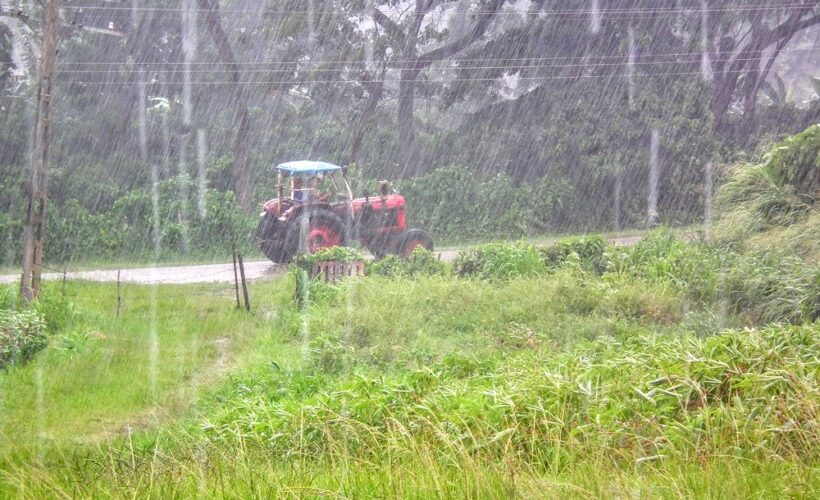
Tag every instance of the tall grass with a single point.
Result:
(758, 287)
(545, 379)
(661, 416)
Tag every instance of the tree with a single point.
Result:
(407, 38)
(740, 68)
(242, 120)
(34, 231)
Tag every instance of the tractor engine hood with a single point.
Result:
(378, 203)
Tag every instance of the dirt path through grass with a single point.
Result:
(109, 379)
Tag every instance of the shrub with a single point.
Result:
(57, 311)
(758, 286)
(589, 249)
(22, 334)
(500, 260)
(8, 297)
(422, 262)
(390, 266)
(647, 395)
(457, 204)
(332, 254)
(751, 201)
(796, 161)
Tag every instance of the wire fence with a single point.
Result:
(124, 294)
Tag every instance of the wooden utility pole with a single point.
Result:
(34, 231)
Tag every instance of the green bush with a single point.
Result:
(772, 204)
(589, 250)
(454, 203)
(647, 395)
(8, 297)
(126, 228)
(500, 260)
(22, 334)
(390, 266)
(796, 162)
(57, 311)
(332, 254)
(422, 262)
(757, 286)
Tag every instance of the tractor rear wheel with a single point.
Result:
(380, 246)
(271, 238)
(324, 229)
(412, 239)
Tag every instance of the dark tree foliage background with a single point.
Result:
(524, 116)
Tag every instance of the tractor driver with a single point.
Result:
(312, 193)
(298, 192)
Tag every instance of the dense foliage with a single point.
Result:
(421, 262)
(796, 162)
(548, 119)
(593, 366)
(772, 204)
(648, 397)
(22, 334)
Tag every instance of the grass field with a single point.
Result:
(103, 374)
(550, 383)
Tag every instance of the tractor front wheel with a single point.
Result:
(411, 240)
(270, 238)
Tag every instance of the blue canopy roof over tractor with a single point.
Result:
(306, 167)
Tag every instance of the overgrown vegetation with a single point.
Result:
(671, 368)
(22, 334)
(773, 204)
(597, 383)
(127, 229)
(421, 262)
(332, 254)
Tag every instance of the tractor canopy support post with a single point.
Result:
(280, 183)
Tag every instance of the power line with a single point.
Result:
(752, 8)
(462, 68)
(304, 82)
(408, 61)
(535, 13)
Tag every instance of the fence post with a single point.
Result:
(235, 276)
(119, 294)
(65, 272)
(244, 283)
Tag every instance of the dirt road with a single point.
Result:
(180, 275)
(209, 273)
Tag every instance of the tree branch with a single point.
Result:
(457, 46)
(388, 24)
(785, 30)
(19, 15)
(223, 46)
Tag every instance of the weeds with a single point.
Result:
(500, 260)
(422, 262)
(704, 412)
(589, 250)
(22, 334)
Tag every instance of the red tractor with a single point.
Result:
(309, 220)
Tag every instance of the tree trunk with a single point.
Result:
(408, 148)
(751, 99)
(726, 83)
(34, 230)
(362, 124)
(242, 121)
